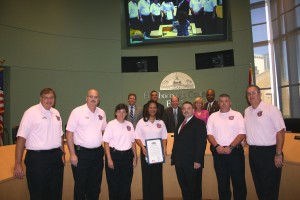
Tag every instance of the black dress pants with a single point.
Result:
(265, 174)
(44, 173)
(119, 179)
(198, 19)
(190, 182)
(147, 24)
(157, 22)
(232, 167)
(209, 23)
(152, 180)
(135, 23)
(88, 173)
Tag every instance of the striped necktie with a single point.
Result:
(175, 117)
(208, 107)
(131, 112)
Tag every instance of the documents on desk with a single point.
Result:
(169, 31)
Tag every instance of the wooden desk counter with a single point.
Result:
(167, 31)
(11, 188)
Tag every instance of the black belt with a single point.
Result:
(78, 148)
(208, 12)
(262, 147)
(120, 152)
(236, 147)
(44, 151)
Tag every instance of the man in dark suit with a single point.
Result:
(188, 153)
(211, 105)
(160, 107)
(173, 115)
(134, 113)
(183, 6)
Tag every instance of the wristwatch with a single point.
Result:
(231, 147)
(278, 153)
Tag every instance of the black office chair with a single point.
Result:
(14, 134)
(292, 125)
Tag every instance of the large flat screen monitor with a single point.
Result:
(168, 21)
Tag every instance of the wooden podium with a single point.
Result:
(11, 188)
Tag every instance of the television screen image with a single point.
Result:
(167, 21)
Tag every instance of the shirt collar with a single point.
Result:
(188, 119)
(44, 110)
(89, 111)
(225, 113)
(259, 107)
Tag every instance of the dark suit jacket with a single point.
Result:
(184, 7)
(215, 107)
(138, 114)
(168, 118)
(189, 146)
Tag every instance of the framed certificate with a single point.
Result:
(155, 152)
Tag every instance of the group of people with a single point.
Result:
(147, 15)
(90, 137)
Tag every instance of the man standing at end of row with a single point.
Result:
(41, 133)
(84, 137)
(265, 136)
(225, 132)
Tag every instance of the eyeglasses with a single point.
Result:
(253, 93)
(48, 98)
(93, 97)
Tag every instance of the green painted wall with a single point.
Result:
(78, 45)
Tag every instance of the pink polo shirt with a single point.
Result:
(87, 126)
(204, 114)
(41, 128)
(119, 135)
(225, 127)
(148, 130)
(262, 124)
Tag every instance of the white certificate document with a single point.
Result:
(154, 151)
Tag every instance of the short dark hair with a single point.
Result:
(224, 95)
(255, 86)
(131, 94)
(175, 96)
(152, 92)
(188, 102)
(47, 91)
(211, 90)
(121, 106)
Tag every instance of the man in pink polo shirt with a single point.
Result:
(84, 137)
(41, 133)
(265, 136)
(225, 132)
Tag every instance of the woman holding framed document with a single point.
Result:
(151, 136)
(120, 154)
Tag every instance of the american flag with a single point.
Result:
(1, 104)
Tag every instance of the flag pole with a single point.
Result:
(250, 78)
